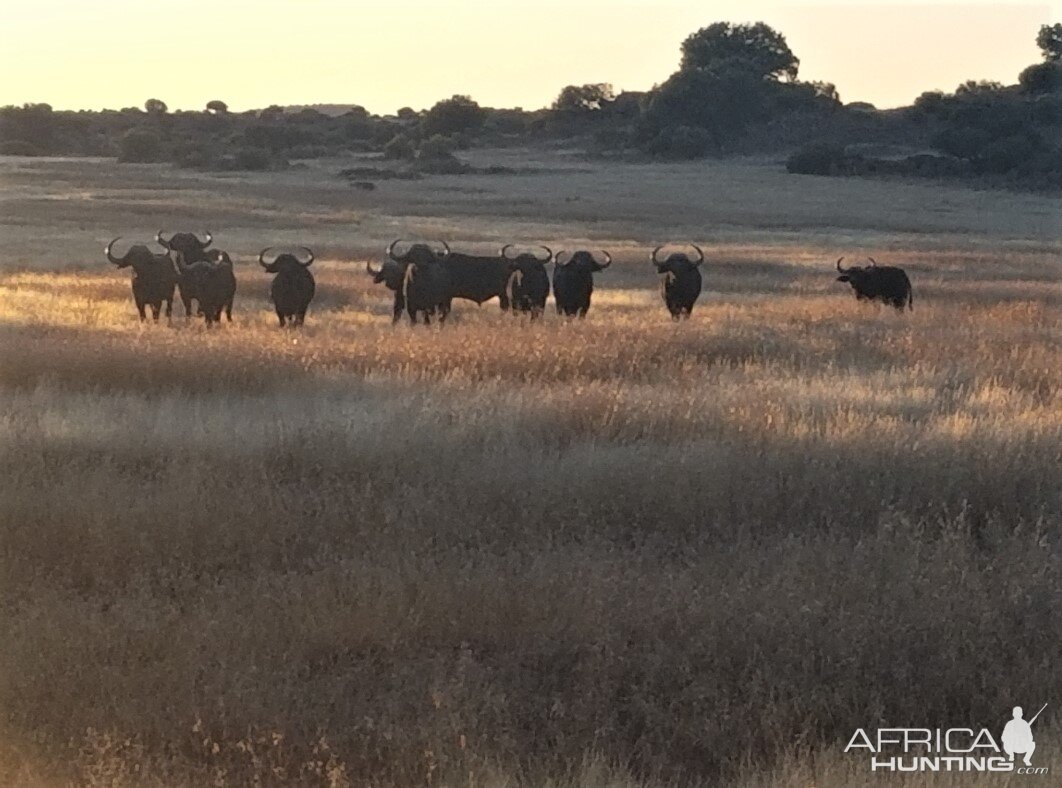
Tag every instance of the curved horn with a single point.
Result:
(656, 251)
(391, 250)
(608, 259)
(557, 258)
(700, 254)
(549, 254)
(839, 269)
(110, 257)
(873, 262)
(503, 251)
(446, 246)
(368, 267)
(209, 239)
(308, 251)
(261, 257)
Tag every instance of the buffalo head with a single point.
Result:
(582, 261)
(677, 262)
(390, 273)
(139, 257)
(285, 261)
(187, 244)
(418, 253)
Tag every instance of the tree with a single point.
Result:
(155, 106)
(140, 145)
(1049, 39)
(757, 46)
(1042, 78)
(459, 113)
(217, 107)
(583, 98)
(974, 86)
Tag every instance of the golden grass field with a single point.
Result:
(613, 552)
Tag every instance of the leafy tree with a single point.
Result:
(459, 113)
(155, 106)
(1049, 39)
(1042, 78)
(407, 113)
(972, 86)
(758, 46)
(582, 98)
(217, 107)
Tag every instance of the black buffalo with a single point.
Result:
(427, 288)
(193, 251)
(573, 282)
(680, 280)
(391, 275)
(528, 286)
(884, 283)
(212, 281)
(154, 278)
(472, 277)
(293, 286)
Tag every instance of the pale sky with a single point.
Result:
(384, 55)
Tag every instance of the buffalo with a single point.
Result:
(193, 251)
(573, 282)
(391, 276)
(884, 283)
(293, 286)
(212, 281)
(425, 282)
(154, 278)
(680, 280)
(528, 285)
(473, 277)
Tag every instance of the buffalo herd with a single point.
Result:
(424, 279)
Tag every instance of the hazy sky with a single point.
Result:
(384, 55)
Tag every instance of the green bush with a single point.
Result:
(400, 147)
(681, 142)
(253, 159)
(140, 145)
(819, 158)
(19, 148)
(437, 147)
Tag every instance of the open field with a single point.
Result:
(612, 552)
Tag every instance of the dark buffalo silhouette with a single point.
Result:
(884, 283)
(573, 282)
(293, 286)
(212, 281)
(475, 278)
(427, 286)
(391, 275)
(194, 251)
(528, 286)
(154, 278)
(680, 280)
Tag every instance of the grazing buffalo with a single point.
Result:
(293, 286)
(884, 283)
(154, 278)
(573, 282)
(211, 282)
(194, 251)
(528, 286)
(680, 280)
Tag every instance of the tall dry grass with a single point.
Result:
(612, 552)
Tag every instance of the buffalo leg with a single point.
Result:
(140, 309)
(187, 305)
(280, 317)
(300, 318)
(228, 311)
(155, 309)
(169, 307)
(504, 301)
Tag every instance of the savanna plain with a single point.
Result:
(619, 551)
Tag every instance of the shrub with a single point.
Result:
(140, 145)
(19, 148)
(437, 147)
(819, 158)
(446, 164)
(400, 147)
(681, 142)
(253, 159)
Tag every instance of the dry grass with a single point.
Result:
(616, 552)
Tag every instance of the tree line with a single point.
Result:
(736, 90)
